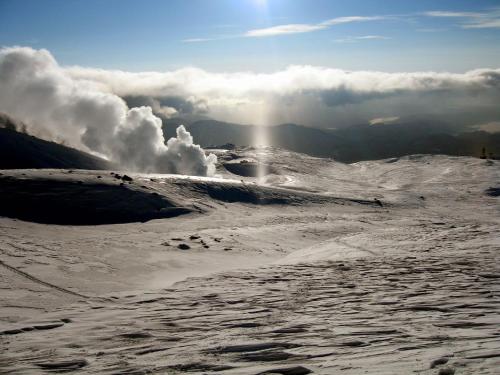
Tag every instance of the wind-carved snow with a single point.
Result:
(331, 282)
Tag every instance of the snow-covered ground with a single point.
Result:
(380, 267)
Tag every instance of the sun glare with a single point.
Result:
(260, 3)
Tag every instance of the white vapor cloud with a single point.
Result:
(84, 114)
(306, 28)
(315, 96)
(84, 106)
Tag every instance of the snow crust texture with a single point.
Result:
(383, 267)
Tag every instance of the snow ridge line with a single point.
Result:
(38, 281)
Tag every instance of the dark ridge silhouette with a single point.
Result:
(351, 144)
(19, 150)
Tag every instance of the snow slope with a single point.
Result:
(381, 267)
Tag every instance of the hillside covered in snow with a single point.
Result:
(317, 267)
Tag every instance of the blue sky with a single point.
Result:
(259, 35)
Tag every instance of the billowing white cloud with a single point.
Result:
(293, 80)
(73, 103)
(85, 114)
(315, 96)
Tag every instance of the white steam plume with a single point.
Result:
(36, 90)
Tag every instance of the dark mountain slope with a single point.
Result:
(19, 151)
(351, 144)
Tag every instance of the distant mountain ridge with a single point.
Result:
(351, 144)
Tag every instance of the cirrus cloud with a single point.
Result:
(306, 28)
(471, 20)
